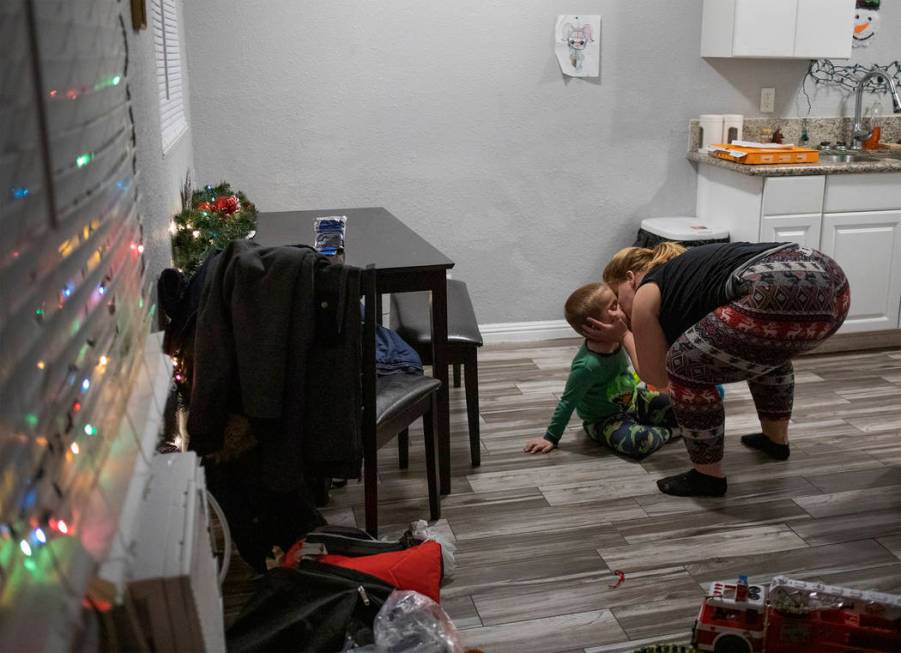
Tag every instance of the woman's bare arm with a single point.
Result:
(650, 342)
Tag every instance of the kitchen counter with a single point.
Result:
(884, 164)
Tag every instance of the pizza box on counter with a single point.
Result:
(763, 153)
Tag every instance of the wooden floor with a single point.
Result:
(539, 537)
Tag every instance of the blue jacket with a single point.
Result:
(393, 355)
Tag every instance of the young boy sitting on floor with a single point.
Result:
(603, 389)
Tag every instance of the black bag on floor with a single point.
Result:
(354, 542)
(312, 607)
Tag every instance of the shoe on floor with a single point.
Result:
(693, 484)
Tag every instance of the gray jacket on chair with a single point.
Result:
(278, 340)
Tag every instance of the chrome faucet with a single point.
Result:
(858, 133)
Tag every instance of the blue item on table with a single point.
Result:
(329, 234)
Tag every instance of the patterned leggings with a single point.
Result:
(789, 302)
(640, 431)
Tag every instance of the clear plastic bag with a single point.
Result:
(329, 234)
(410, 622)
(422, 531)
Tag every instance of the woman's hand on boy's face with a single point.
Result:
(538, 445)
(606, 332)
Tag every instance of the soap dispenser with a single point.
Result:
(875, 123)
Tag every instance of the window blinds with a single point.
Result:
(164, 21)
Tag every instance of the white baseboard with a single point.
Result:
(526, 331)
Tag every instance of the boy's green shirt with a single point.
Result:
(599, 385)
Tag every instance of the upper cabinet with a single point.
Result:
(778, 29)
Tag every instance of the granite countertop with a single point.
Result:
(884, 164)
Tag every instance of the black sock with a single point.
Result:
(693, 484)
(762, 443)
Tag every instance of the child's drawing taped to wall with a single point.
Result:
(577, 44)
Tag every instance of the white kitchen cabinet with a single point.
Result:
(855, 193)
(855, 218)
(824, 29)
(867, 245)
(779, 29)
(801, 229)
(793, 195)
(763, 28)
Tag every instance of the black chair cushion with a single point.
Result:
(410, 316)
(396, 392)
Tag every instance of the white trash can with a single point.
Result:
(689, 232)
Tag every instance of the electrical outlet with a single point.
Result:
(767, 100)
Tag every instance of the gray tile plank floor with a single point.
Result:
(539, 537)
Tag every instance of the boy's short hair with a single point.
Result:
(587, 301)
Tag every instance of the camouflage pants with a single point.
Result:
(641, 430)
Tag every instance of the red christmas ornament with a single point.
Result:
(227, 205)
(205, 206)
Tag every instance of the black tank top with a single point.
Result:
(693, 284)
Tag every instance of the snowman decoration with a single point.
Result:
(866, 22)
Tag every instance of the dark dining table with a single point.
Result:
(404, 262)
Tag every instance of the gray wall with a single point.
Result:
(454, 116)
(160, 176)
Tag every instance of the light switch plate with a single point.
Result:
(767, 100)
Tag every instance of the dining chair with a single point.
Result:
(390, 405)
(410, 318)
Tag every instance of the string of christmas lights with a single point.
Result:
(824, 72)
(84, 309)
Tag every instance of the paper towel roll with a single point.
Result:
(732, 127)
(711, 129)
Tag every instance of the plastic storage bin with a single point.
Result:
(689, 232)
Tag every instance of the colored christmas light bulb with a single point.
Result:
(85, 385)
(76, 406)
(141, 248)
(20, 191)
(40, 535)
(90, 429)
(62, 527)
(26, 547)
(41, 365)
(74, 448)
(31, 419)
(104, 360)
(83, 159)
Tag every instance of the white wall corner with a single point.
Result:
(525, 331)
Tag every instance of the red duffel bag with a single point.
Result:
(417, 567)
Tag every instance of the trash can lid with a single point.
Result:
(682, 229)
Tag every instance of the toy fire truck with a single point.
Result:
(796, 617)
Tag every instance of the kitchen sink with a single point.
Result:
(845, 157)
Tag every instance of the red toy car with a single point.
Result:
(797, 617)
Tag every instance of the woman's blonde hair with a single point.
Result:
(639, 259)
